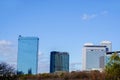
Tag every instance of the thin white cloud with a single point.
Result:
(4, 42)
(8, 52)
(87, 16)
(43, 63)
(5, 47)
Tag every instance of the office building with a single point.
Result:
(27, 55)
(59, 62)
(108, 44)
(93, 57)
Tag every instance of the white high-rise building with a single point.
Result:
(93, 57)
(108, 44)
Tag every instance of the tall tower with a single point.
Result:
(27, 55)
(93, 57)
(59, 62)
(108, 44)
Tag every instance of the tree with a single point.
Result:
(6, 69)
(113, 67)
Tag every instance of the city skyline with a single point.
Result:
(62, 25)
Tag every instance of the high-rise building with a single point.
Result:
(108, 44)
(59, 62)
(27, 55)
(93, 57)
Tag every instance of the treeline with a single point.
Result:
(82, 75)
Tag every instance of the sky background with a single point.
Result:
(61, 25)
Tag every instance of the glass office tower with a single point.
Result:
(59, 62)
(27, 55)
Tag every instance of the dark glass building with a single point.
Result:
(27, 55)
(59, 61)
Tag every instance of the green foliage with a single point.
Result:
(113, 67)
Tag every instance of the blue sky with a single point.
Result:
(62, 25)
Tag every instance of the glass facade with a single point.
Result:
(27, 55)
(59, 61)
